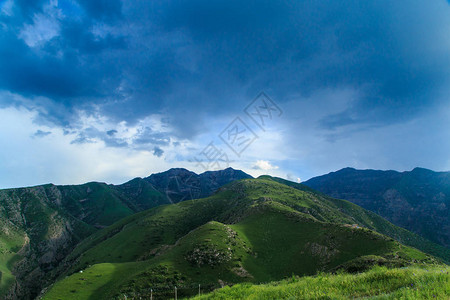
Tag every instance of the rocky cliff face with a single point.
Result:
(418, 200)
(41, 225)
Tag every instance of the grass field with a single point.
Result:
(378, 283)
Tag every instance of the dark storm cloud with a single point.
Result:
(191, 59)
(147, 136)
(71, 67)
(76, 37)
(158, 152)
(27, 8)
(107, 10)
(93, 135)
(111, 132)
(40, 133)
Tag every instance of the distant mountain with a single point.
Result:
(180, 184)
(251, 230)
(40, 225)
(418, 200)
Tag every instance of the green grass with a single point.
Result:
(370, 220)
(429, 282)
(7, 262)
(89, 283)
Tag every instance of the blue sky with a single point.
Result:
(108, 90)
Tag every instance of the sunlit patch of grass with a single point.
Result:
(378, 283)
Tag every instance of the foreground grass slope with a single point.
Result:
(254, 231)
(427, 282)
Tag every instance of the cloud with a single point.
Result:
(40, 133)
(158, 152)
(111, 132)
(45, 26)
(6, 7)
(264, 165)
(132, 59)
(351, 77)
(26, 160)
(106, 10)
(147, 136)
(291, 177)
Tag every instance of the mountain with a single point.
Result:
(40, 225)
(418, 200)
(251, 230)
(181, 184)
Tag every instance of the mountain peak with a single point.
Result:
(180, 184)
(175, 171)
(421, 170)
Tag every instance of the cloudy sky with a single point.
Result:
(108, 90)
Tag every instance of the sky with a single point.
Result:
(109, 90)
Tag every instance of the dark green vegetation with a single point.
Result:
(41, 225)
(418, 200)
(379, 283)
(253, 230)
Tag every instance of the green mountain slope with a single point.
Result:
(418, 200)
(253, 230)
(41, 225)
(374, 222)
(35, 236)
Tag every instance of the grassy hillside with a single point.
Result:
(374, 221)
(379, 283)
(254, 230)
(418, 201)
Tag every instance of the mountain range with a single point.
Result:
(179, 227)
(40, 225)
(251, 230)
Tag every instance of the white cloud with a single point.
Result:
(264, 165)
(27, 159)
(291, 177)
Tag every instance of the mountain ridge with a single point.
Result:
(418, 200)
(42, 224)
